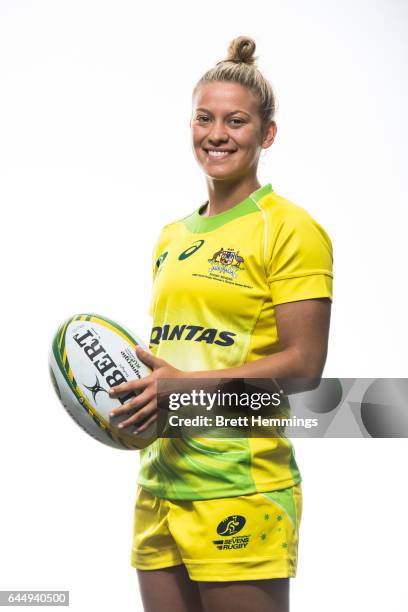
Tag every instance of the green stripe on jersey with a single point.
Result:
(197, 224)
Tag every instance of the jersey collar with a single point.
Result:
(196, 223)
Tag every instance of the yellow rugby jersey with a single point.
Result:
(216, 282)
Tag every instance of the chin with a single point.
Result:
(219, 176)
(220, 173)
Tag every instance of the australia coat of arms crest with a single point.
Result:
(226, 261)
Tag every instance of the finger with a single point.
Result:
(149, 359)
(140, 415)
(132, 385)
(134, 403)
(147, 424)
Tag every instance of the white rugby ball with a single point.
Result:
(89, 355)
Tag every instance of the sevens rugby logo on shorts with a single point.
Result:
(229, 527)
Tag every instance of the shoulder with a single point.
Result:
(278, 208)
(168, 231)
(284, 218)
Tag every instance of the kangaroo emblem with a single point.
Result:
(239, 260)
(217, 254)
(231, 526)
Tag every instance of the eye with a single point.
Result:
(202, 119)
(236, 121)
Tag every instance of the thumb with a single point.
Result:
(148, 358)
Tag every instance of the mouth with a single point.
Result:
(218, 154)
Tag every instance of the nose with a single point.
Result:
(218, 134)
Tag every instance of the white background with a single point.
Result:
(94, 158)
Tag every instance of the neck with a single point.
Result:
(222, 195)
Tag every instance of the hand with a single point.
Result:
(145, 403)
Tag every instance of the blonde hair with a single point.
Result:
(240, 67)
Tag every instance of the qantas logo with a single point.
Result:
(192, 332)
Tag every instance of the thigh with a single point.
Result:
(246, 596)
(169, 589)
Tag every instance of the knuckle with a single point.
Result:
(145, 425)
(128, 422)
(140, 416)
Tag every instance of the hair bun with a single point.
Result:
(241, 50)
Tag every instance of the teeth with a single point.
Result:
(218, 153)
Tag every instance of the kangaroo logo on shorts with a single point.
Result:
(231, 525)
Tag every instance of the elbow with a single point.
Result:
(311, 383)
(305, 382)
(310, 370)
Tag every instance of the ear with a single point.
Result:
(269, 135)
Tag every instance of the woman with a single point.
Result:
(242, 289)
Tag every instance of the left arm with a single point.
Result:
(303, 329)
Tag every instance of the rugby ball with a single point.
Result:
(89, 355)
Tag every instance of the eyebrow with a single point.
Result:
(200, 108)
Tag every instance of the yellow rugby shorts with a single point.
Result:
(249, 537)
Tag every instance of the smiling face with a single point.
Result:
(227, 135)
